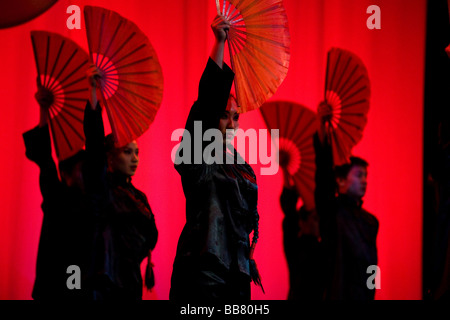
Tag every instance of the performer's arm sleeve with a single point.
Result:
(288, 202)
(38, 149)
(214, 90)
(95, 168)
(325, 184)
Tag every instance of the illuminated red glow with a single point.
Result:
(181, 35)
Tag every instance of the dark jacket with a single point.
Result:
(221, 199)
(66, 226)
(348, 234)
(303, 253)
(125, 225)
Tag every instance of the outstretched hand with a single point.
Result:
(220, 27)
(323, 116)
(43, 96)
(94, 77)
(45, 99)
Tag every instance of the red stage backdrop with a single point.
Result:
(180, 33)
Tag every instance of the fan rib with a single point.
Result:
(337, 148)
(122, 45)
(273, 7)
(310, 123)
(73, 72)
(67, 63)
(273, 58)
(290, 132)
(342, 75)
(334, 71)
(241, 67)
(33, 42)
(344, 85)
(108, 88)
(69, 123)
(125, 110)
(124, 125)
(250, 67)
(58, 55)
(139, 84)
(140, 96)
(260, 38)
(111, 41)
(134, 63)
(67, 93)
(57, 121)
(349, 124)
(287, 129)
(74, 82)
(248, 7)
(274, 77)
(341, 128)
(344, 95)
(68, 105)
(46, 59)
(326, 76)
(100, 36)
(52, 129)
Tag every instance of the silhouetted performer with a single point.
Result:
(440, 262)
(125, 225)
(302, 248)
(348, 231)
(66, 228)
(214, 255)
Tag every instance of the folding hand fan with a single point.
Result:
(61, 66)
(344, 111)
(132, 81)
(258, 41)
(296, 125)
(14, 13)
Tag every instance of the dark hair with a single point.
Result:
(67, 165)
(110, 143)
(343, 170)
(235, 99)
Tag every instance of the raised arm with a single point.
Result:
(38, 149)
(288, 202)
(325, 192)
(216, 81)
(95, 168)
(214, 90)
(220, 27)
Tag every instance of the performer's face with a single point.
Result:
(126, 159)
(355, 184)
(229, 120)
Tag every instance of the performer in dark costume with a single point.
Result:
(347, 230)
(125, 229)
(302, 247)
(214, 256)
(66, 228)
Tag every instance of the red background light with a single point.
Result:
(180, 33)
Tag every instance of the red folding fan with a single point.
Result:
(132, 81)
(259, 45)
(296, 125)
(61, 66)
(14, 13)
(346, 104)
